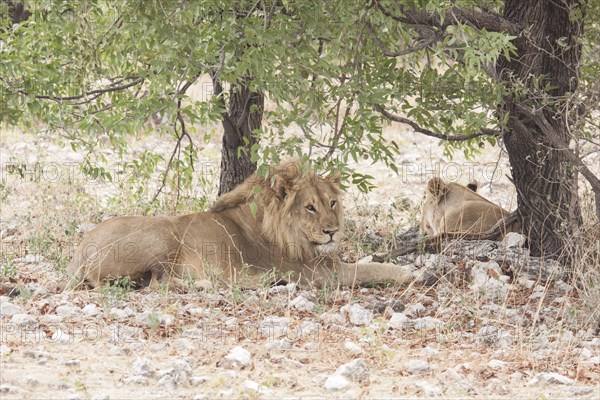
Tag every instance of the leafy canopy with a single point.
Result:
(93, 72)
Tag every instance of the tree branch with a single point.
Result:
(434, 244)
(137, 81)
(427, 132)
(424, 44)
(479, 19)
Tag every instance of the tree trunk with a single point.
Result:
(244, 116)
(548, 53)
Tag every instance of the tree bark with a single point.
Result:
(243, 117)
(548, 54)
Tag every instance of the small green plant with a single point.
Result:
(116, 289)
(8, 269)
(153, 322)
(4, 192)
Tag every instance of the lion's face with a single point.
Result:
(318, 213)
(309, 217)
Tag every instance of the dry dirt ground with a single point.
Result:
(509, 336)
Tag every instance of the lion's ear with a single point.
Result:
(334, 177)
(473, 186)
(285, 179)
(436, 186)
(281, 187)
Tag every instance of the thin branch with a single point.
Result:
(427, 132)
(92, 92)
(434, 244)
(479, 19)
(412, 49)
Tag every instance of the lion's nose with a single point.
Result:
(330, 232)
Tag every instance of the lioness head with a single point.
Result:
(450, 207)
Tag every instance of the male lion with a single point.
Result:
(287, 224)
(450, 207)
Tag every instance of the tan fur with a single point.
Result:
(293, 235)
(450, 207)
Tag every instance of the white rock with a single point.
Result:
(279, 289)
(585, 354)
(65, 309)
(301, 303)
(357, 314)
(136, 380)
(90, 309)
(525, 282)
(579, 391)
(100, 397)
(181, 367)
(553, 377)
(496, 386)
(332, 318)
(24, 321)
(355, 371)
(291, 287)
(254, 388)
(536, 295)
(274, 327)
(8, 389)
(143, 367)
(487, 280)
(496, 364)
(319, 379)
(417, 367)
(353, 348)
(430, 351)
(513, 240)
(184, 343)
(238, 357)
(226, 393)
(453, 374)
(279, 344)
(429, 389)
(151, 318)
(60, 336)
(36, 289)
(366, 260)
(122, 313)
(399, 321)
(415, 310)
(336, 382)
(427, 323)
(516, 376)
(4, 349)
(168, 382)
(563, 286)
(595, 360)
(490, 335)
(7, 308)
(198, 380)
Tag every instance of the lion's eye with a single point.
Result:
(311, 208)
(333, 203)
